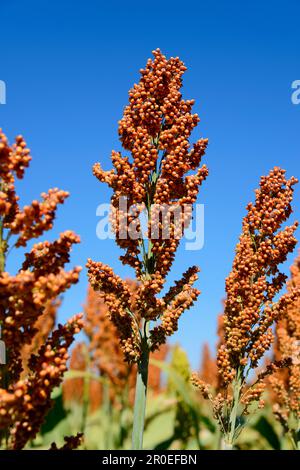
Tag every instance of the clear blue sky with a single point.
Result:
(68, 66)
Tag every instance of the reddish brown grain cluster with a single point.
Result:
(29, 291)
(286, 383)
(27, 300)
(24, 405)
(251, 308)
(125, 310)
(155, 129)
(30, 221)
(255, 279)
(44, 327)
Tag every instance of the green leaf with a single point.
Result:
(185, 392)
(265, 428)
(164, 445)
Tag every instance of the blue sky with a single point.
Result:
(68, 67)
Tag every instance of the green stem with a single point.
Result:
(219, 441)
(226, 445)
(231, 436)
(141, 393)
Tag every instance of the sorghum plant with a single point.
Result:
(286, 382)
(250, 306)
(25, 389)
(155, 130)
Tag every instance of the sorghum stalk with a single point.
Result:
(236, 386)
(141, 392)
(143, 363)
(158, 174)
(251, 308)
(28, 380)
